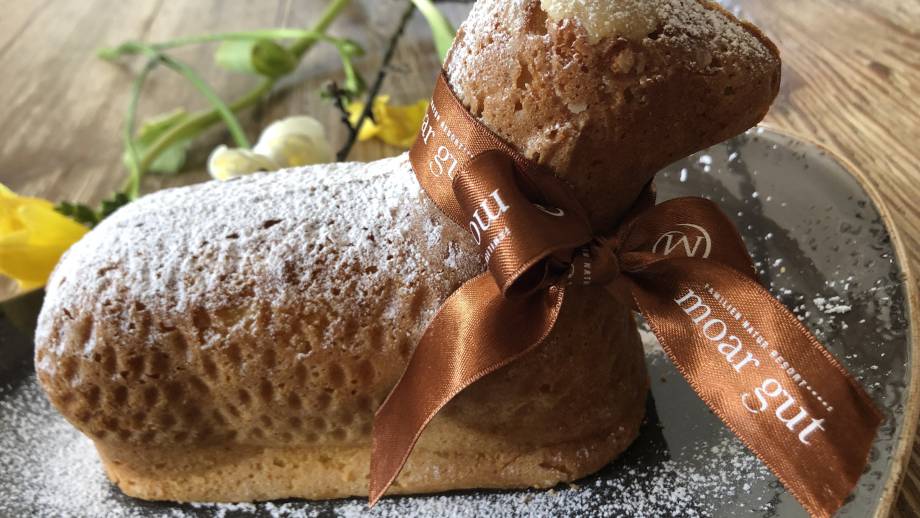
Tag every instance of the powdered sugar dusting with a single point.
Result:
(671, 488)
(61, 472)
(63, 477)
(686, 23)
(832, 306)
(212, 245)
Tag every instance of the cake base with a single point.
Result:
(250, 474)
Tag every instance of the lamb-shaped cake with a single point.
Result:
(231, 341)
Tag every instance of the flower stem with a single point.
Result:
(378, 83)
(134, 47)
(236, 131)
(200, 121)
(332, 11)
(130, 47)
(134, 175)
(441, 29)
(239, 136)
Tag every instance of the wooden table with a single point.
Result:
(851, 82)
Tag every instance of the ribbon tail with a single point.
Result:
(477, 331)
(762, 372)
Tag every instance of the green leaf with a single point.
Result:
(119, 200)
(86, 215)
(171, 160)
(263, 57)
(441, 29)
(78, 212)
(236, 56)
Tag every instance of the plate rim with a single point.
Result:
(906, 438)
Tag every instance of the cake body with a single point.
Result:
(224, 341)
(231, 341)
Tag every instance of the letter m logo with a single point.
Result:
(692, 242)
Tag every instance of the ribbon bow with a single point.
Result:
(685, 268)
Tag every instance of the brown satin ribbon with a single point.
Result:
(688, 272)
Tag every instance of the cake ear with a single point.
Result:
(607, 96)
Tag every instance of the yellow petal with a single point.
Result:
(401, 124)
(29, 265)
(6, 193)
(393, 124)
(46, 226)
(9, 221)
(369, 129)
(10, 203)
(33, 236)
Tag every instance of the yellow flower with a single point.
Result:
(33, 236)
(395, 125)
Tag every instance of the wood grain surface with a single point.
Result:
(851, 82)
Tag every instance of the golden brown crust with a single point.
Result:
(154, 337)
(607, 116)
(564, 412)
(234, 473)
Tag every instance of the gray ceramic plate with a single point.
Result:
(821, 247)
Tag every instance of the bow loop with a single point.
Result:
(523, 237)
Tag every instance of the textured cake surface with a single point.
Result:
(607, 112)
(275, 312)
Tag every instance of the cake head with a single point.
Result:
(608, 92)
